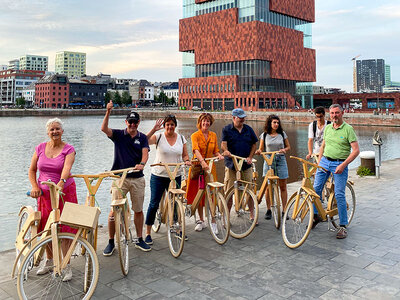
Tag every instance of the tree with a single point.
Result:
(163, 98)
(126, 98)
(117, 98)
(20, 101)
(107, 97)
(172, 101)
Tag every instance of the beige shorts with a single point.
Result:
(135, 187)
(230, 177)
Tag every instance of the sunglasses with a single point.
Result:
(133, 121)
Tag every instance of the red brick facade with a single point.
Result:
(52, 95)
(217, 37)
(304, 10)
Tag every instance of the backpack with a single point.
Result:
(314, 126)
(158, 140)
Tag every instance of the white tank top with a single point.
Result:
(165, 153)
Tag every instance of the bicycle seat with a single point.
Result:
(177, 191)
(216, 184)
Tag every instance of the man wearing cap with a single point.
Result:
(238, 139)
(131, 149)
(339, 148)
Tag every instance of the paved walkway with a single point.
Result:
(366, 265)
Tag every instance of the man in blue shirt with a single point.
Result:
(238, 139)
(131, 149)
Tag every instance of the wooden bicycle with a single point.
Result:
(122, 217)
(65, 252)
(171, 211)
(215, 205)
(270, 182)
(242, 203)
(299, 215)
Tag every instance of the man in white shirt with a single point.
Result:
(316, 131)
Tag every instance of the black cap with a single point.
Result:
(133, 116)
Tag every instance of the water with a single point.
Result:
(20, 135)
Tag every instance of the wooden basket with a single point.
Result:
(76, 215)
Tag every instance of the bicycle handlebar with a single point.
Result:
(215, 158)
(166, 164)
(308, 163)
(242, 158)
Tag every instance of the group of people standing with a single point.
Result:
(336, 144)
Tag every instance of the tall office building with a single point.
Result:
(72, 64)
(248, 54)
(388, 77)
(34, 62)
(370, 75)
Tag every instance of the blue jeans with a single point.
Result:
(158, 185)
(340, 186)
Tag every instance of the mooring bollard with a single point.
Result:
(377, 142)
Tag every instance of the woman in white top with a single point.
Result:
(170, 148)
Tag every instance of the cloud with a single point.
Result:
(388, 11)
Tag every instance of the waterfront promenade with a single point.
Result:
(366, 265)
(291, 116)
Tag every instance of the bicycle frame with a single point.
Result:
(269, 176)
(173, 194)
(209, 183)
(240, 202)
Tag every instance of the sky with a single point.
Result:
(139, 38)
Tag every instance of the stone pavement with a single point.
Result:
(366, 265)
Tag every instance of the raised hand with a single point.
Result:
(158, 125)
(110, 105)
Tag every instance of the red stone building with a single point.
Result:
(250, 57)
(52, 91)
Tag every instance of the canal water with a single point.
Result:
(20, 135)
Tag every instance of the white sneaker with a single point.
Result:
(45, 267)
(67, 274)
(214, 228)
(200, 225)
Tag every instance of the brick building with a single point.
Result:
(248, 54)
(52, 91)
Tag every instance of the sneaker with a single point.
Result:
(341, 233)
(45, 267)
(68, 274)
(109, 250)
(142, 245)
(200, 225)
(214, 228)
(268, 215)
(148, 240)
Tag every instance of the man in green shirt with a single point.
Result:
(339, 148)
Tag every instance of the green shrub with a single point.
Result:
(364, 171)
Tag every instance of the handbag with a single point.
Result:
(197, 169)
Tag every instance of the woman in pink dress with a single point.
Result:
(54, 160)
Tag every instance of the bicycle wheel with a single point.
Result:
(276, 206)
(176, 230)
(296, 230)
(219, 224)
(157, 221)
(240, 221)
(50, 286)
(351, 206)
(122, 239)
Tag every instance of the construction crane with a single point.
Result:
(355, 72)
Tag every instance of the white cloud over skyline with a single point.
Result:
(139, 38)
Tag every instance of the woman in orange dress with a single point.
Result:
(203, 140)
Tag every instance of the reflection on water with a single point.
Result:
(19, 136)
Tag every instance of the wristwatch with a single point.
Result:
(142, 163)
(63, 180)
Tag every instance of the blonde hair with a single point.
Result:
(204, 116)
(54, 120)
